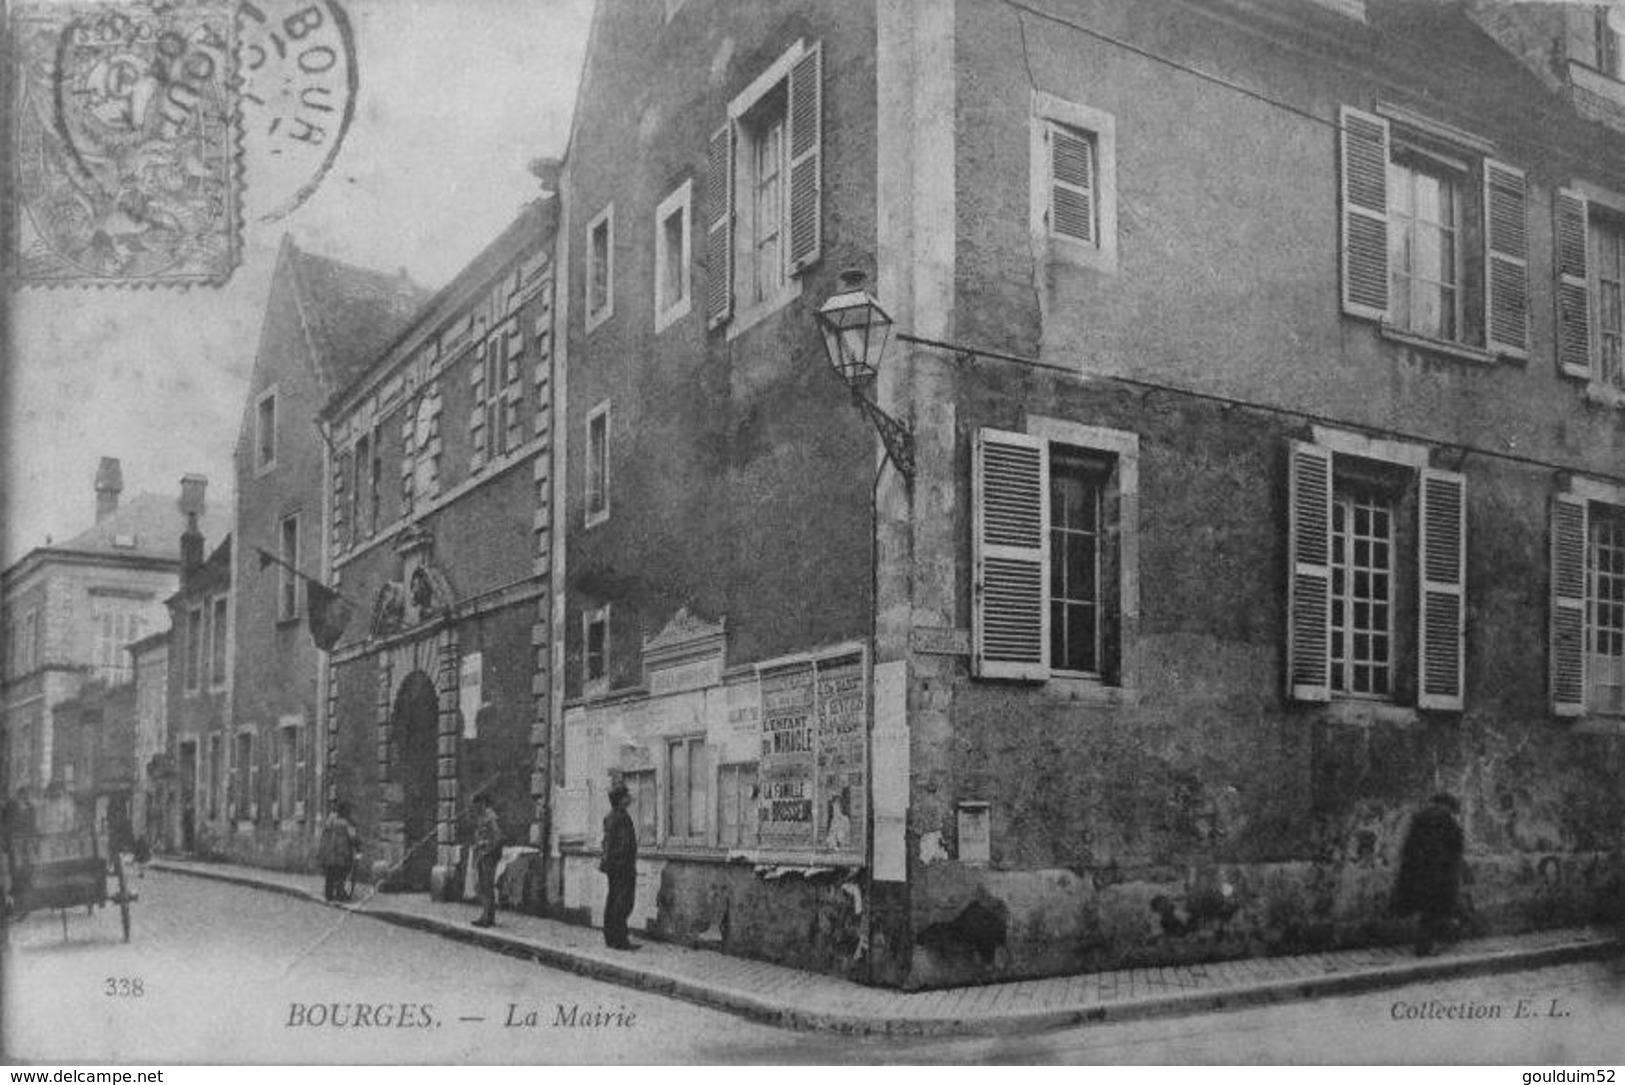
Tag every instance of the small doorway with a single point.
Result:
(188, 782)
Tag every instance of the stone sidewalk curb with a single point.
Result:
(787, 1015)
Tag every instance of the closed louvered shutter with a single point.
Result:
(1309, 588)
(1506, 256)
(1072, 182)
(1009, 611)
(1364, 185)
(1567, 665)
(478, 432)
(1444, 589)
(719, 234)
(1573, 294)
(806, 169)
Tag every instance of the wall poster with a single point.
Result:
(840, 712)
(788, 765)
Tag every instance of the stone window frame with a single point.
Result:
(679, 204)
(1578, 496)
(265, 463)
(595, 499)
(288, 605)
(597, 309)
(1434, 520)
(707, 835)
(1123, 447)
(219, 636)
(1050, 113)
(595, 684)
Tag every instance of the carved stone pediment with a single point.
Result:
(687, 653)
(421, 593)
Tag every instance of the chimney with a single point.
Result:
(548, 171)
(109, 484)
(191, 505)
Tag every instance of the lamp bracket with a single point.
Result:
(897, 438)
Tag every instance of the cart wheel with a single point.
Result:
(123, 896)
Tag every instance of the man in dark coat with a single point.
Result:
(487, 855)
(1430, 871)
(620, 865)
(337, 851)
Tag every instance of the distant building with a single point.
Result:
(200, 800)
(440, 538)
(71, 610)
(258, 769)
(152, 801)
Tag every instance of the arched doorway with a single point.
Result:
(415, 723)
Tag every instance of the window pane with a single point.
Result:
(677, 791)
(698, 775)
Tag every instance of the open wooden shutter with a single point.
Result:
(1009, 609)
(719, 234)
(478, 431)
(1506, 258)
(1072, 200)
(1444, 589)
(1573, 293)
(1309, 589)
(1567, 662)
(806, 169)
(341, 506)
(1364, 186)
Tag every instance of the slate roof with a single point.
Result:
(351, 313)
(151, 521)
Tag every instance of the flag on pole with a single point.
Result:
(329, 613)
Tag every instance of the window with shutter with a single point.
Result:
(1607, 258)
(1363, 513)
(764, 191)
(1074, 189)
(1055, 590)
(1587, 653)
(1409, 187)
(1072, 183)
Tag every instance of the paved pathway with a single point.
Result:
(798, 999)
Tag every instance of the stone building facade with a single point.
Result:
(438, 500)
(71, 609)
(1261, 367)
(324, 322)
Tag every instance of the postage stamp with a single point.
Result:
(126, 169)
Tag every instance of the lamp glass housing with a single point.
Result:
(856, 330)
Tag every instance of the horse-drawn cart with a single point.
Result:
(65, 867)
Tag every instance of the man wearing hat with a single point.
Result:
(620, 864)
(487, 853)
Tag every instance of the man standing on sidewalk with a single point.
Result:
(1430, 871)
(620, 865)
(487, 853)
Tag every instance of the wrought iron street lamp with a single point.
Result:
(856, 330)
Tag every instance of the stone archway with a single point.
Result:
(415, 723)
